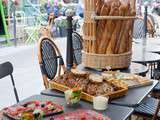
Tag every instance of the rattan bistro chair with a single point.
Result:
(138, 29)
(156, 91)
(148, 109)
(50, 60)
(6, 69)
(77, 48)
(156, 75)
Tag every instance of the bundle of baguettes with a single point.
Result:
(114, 36)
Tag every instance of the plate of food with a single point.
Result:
(130, 80)
(81, 115)
(91, 85)
(33, 110)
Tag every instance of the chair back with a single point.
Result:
(77, 47)
(138, 29)
(50, 60)
(6, 69)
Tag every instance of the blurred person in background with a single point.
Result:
(52, 9)
(80, 9)
(56, 8)
(156, 8)
(48, 7)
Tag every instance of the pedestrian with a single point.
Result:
(80, 9)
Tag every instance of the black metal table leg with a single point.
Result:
(69, 58)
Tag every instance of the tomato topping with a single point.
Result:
(75, 89)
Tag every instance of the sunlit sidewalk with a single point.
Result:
(27, 73)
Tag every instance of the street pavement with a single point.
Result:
(27, 75)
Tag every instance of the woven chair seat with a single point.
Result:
(148, 107)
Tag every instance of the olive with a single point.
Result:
(36, 115)
(25, 105)
(42, 105)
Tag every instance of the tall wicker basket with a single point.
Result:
(90, 58)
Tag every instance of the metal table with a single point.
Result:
(134, 96)
(153, 48)
(145, 58)
(113, 111)
(148, 48)
(134, 68)
(152, 41)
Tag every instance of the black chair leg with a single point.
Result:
(16, 95)
(15, 90)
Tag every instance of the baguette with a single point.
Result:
(105, 35)
(133, 6)
(130, 26)
(131, 32)
(112, 36)
(109, 46)
(101, 25)
(123, 29)
(115, 35)
(124, 9)
(125, 35)
(133, 13)
(99, 5)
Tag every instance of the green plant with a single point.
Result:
(61, 22)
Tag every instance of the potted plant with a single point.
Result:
(61, 24)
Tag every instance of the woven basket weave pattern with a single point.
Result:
(115, 61)
(90, 56)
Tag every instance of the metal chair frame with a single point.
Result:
(6, 69)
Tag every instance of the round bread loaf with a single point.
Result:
(79, 72)
(96, 78)
(106, 75)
